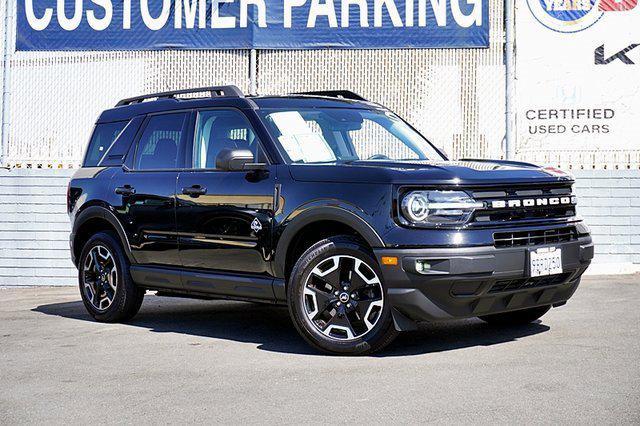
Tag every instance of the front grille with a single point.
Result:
(549, 212)
(535, 238)
(511, 214)
(526, 283)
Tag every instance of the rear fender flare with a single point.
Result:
(100, 212)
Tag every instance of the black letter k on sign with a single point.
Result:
(622, 55)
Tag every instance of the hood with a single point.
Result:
(423, 172)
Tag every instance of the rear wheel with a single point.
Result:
(524, 316)
(106, 287)
(337, 299)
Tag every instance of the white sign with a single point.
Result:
(578, 69)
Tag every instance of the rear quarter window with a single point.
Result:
(103, 136)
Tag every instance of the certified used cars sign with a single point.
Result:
(246, 24)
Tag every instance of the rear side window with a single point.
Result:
(103, 136)
(158, 145)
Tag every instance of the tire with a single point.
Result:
(355, 321)
(524, 316)
(108, 292)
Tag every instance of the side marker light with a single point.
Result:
(389, 261)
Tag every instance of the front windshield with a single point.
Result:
(337, 135)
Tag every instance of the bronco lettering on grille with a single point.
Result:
(531, 202)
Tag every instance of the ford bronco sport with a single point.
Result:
(321, 201)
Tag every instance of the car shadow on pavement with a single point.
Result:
(271, 329)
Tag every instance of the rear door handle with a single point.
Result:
(194, 191)
(125, 190)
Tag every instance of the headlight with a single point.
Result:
(438, 207)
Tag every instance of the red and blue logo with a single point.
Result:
(571, 16)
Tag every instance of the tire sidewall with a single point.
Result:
(316, 254)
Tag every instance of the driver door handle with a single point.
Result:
(194, 191)
(125, 190)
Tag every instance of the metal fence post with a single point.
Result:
(6, 81)
(253, 72)
(510, 79)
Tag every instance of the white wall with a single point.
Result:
(34, 227)
(609, 200)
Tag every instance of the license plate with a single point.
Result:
(545, 261)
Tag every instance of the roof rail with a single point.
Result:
(215, 92)
(344, 94)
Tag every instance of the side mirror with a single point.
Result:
(234, 160)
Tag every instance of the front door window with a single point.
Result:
(222, 129)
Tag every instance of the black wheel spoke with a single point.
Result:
(324, 316)
(340, 320)
(320, 284)
(96, 263)
(357, 282)
(363, 277)
(108, 291)
(362, 307)
(89, 277)
(96, 296)
(332, 279)
(356, 320)
(324, 303)
(369, 293)
(346, 271)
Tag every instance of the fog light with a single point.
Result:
(422, 266)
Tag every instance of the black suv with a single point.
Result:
(321, 201)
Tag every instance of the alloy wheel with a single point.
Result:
(343, 298)
(100, 277)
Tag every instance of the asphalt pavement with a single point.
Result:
(190, 361)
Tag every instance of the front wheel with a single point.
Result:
(337, 299)
(521, 317)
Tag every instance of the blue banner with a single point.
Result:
(250, 24)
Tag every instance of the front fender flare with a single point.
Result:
(313, 214)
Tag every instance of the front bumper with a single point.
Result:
(472, 281)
